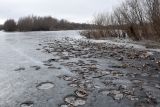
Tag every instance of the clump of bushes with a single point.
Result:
(10, 25)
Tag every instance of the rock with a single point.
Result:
(105, 72)
(132, 98)
(65, 57)
(144, 74)
(158, 62)
(128, 92)
(47, 64)
(155, 76)
(27, 104)
(83, 86)
(122, 87)
(92, 67)
(36, 67)
(157, 86)
(66, 105)
(124, 66)
(119, 66)
(137, 81)
(45, 85)
(115, 92)
(54, 67)
(118, 96)
(81, 93)
(20, 69)
(73, 85)
(75, 101)
(120, 59)
(146, 55)
(52, 60)
(105, 92)
(38, 49)
(79, 102)
(67, 78)
(117, 74)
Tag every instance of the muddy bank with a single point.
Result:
(106, 74)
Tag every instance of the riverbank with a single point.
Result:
(113, 74)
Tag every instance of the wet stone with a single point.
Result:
(45, 85)
(27, 104)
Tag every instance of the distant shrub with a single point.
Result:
(10, 25)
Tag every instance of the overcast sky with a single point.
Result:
(72, 10)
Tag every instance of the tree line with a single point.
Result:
(35, 23)
(139, 19)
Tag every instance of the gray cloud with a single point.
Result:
(72, 10)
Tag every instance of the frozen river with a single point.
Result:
(18, 50)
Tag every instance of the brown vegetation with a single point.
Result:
(139, 19)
